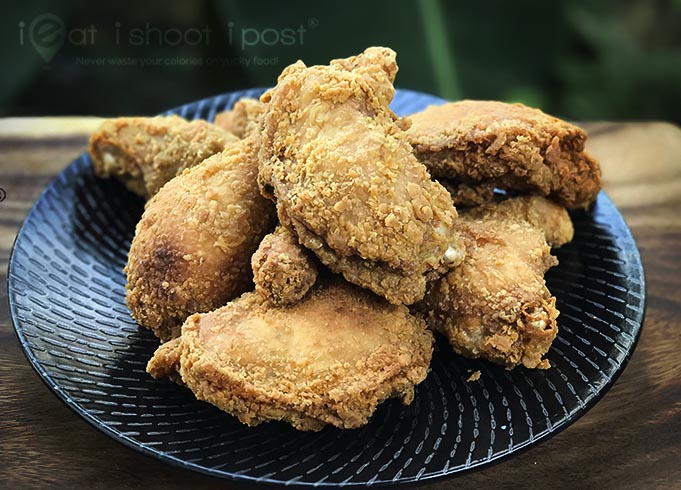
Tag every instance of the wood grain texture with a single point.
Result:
(629, 440)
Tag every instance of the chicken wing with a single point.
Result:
(146, 152)
(338, 165)
(192, 248)
(243, 119)
(330, 359)
(496, 305)
(480, 145)
(283, 271)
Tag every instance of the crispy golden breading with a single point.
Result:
(146, 152)
(192, 248)
(346, 182)
(480, 145)
(243, 119)
(330, 359)
(495, 305)
(539, 212)
(283, 271)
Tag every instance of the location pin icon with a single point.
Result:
(47, 34)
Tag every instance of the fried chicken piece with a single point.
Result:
(495, 305)
(283, 271)
(146, 152)
(345, 181)
(192, 248)
(330, 359)
(480, 145)
(243, 119)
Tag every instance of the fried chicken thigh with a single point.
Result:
(330, 359)
(283, 271)
(480, 145)
(192, 248)
(496, 305)
(338, 165)
(146, 152)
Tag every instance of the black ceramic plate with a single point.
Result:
(66, 292)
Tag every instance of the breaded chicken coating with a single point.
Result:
(346, 182)
(192, 248)
(479, 145)
(496, 305)
(330, 359)
(243, 119)
(146, 152)
(283, 271)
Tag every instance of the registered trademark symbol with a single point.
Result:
(3, 194)
(312, 22)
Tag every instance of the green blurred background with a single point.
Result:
(581, 60)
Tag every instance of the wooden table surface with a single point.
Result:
(630, 439)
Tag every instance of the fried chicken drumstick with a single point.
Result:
(330, 359)
(479, 145)
(192, 248)
(146, 152)
(495, 305)
(345, 180)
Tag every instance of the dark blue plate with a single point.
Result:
(67, 298)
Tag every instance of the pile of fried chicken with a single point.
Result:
(295, 255)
